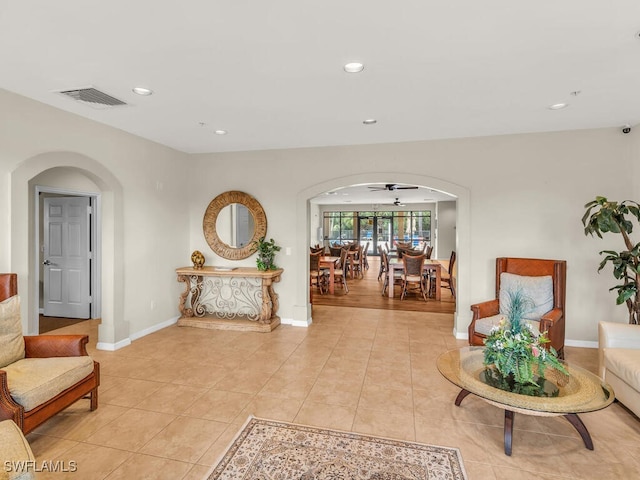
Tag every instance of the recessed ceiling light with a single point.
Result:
(370, 121)
(220, 132)
(145, 92)
(353, 67)
(558, 106)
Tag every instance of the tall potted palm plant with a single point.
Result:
(603, 216)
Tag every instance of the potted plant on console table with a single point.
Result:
(266, 254)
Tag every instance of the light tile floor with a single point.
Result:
(172, 401)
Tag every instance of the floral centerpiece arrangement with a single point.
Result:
(514, 355)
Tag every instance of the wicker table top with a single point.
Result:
(581, 392)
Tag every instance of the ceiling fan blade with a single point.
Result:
(405, 188)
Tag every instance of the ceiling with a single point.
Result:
(374, 195)
(271, 74)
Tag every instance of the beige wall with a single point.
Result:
(519, 195)
(144, 207)
(525, 198)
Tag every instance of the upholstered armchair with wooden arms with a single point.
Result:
(40, 375)
(543, 281)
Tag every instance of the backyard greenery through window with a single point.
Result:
(378, 227)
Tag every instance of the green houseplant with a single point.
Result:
(266, 254)
(514, 353)
(603, 216)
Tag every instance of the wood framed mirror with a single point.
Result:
(232, 222)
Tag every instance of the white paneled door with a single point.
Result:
(66, 257)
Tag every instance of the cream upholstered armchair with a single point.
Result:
(39, 375)
(543, 281)
(619, 361)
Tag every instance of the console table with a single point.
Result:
(229, 298)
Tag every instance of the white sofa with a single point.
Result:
(619, 361)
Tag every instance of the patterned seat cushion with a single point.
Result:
(33, 381)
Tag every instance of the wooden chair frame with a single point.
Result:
(46, 346)
(553, 322)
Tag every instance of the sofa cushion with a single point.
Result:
(15, 452)
(537, 289)
(625, 363)
(33, 381)
(11, 340)
(484, 325)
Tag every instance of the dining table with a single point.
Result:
(330, 263)
(396, 264)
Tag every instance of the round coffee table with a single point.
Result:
(581, 392)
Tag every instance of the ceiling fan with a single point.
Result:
(398, 203)
(391, 187)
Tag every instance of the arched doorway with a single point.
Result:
(24, 252)
(302, 308)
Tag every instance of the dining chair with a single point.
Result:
(357, 264)
(412, 274)
(382, 270)
(317, 276)
(335, 251)
(365, 260)
(397, 276)
(428, 252)
(447, 279)
(340, 273)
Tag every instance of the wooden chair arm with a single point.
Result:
(9, 409)
(550, 319)
(552, 322)
(44, 346)
(485, 309)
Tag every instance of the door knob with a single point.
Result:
(47, 262)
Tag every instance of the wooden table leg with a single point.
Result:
(332, 278)
(508, 431)
(438, 296)
(461, 396)
(581, 428)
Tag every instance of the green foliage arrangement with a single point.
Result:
(266, 254)
(516, 351)
(612, 217)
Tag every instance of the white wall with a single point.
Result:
(526, 195)
(519, 195)
(145, 214)
(446, 235)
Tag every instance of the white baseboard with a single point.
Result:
(295, 323)
(581, 343)
(153, 328)
(461, 335)
(112, 347)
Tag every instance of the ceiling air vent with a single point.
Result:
(92, 97)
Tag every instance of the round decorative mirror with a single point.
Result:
(232, 222)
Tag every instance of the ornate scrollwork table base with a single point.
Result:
(229, 299)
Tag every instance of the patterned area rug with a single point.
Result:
(266, 449)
